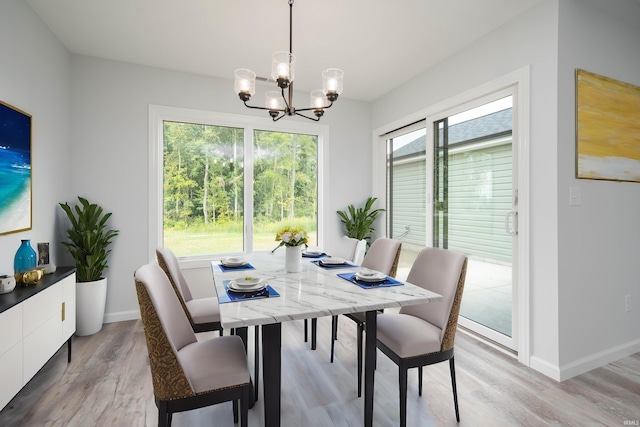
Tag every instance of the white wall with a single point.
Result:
(109, 110)
(598, 241)
(34, 77)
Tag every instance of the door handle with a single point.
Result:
(511, 218)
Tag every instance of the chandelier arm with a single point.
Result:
(316, 119)
(312, 108)
(263, 108)
(275, 119)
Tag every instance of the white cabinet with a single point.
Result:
(35, 322)
(10, 353)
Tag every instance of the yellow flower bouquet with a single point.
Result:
(292, 236)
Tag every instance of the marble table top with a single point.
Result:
(314, 292)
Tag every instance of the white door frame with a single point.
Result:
(519, 80)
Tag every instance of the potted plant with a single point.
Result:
(358, 222)
(89, 240)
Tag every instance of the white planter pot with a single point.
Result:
(91, 298)
(293, 259)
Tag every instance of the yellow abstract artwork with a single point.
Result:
(608, 128)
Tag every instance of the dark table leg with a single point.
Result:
(314, 327)
(369, 365)
(271, 372)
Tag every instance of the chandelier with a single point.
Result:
(283, 65)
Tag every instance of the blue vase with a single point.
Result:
(26, 258)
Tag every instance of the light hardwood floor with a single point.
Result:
(108, 383)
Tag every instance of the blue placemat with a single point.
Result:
(316, 255)
(389, 281)
(226, 269)
(332, 266)
(267, 292)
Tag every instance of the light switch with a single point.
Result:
(575, 196)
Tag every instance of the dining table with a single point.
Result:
(317, 290)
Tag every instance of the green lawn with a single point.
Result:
(198, 243)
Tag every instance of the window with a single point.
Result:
(285, 189)
(221, 183)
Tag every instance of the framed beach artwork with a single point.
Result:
(15, 169)
(607, 129)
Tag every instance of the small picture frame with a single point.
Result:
(43, 253)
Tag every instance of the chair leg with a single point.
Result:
(419, 380)
(256, 360)
(244, 407)
(360, 327)
(163, 415)
(402, 375)
(306, 333)
(452, 367)
(235, 412)
(334, 331)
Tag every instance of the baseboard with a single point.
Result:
(597, 360)
(545, 368)
(121, 316)
(585, 364)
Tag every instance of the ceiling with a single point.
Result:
(378, 43)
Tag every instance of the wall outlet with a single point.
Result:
(627, 303)
(575, 196)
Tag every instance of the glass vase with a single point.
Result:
(26, 258)
(293, 259)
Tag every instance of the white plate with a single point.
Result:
(313, 253)
(233, 262)
(253, 288)
(247, 281)
(370, 276)
(333, 261)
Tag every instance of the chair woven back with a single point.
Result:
(452, 325)
(441, 271)
(166, 331)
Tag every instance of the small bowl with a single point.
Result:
(7, 284)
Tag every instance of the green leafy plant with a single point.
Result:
(89, 239)
(358, 222)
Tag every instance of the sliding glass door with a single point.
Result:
(451, 183)
(474, 210)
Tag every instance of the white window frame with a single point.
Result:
(158, 114)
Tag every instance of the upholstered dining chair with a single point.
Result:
(382, 256)
(203, 313)
(348, 248)
(424, 334)
(186, 373)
